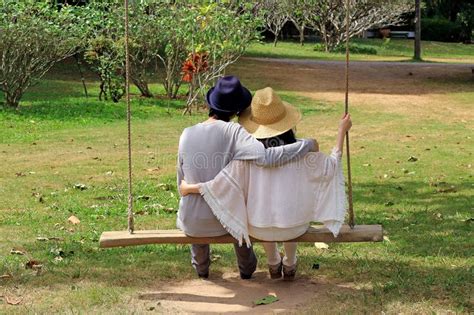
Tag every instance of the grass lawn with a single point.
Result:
(390, 50)
(63, 154)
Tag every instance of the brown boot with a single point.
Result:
(275, 270)
(289, 272)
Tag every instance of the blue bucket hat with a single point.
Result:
(229, 95)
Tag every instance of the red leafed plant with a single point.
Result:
(196, 63)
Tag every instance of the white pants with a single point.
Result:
(273, 255)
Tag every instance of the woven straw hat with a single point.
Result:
(269, 116)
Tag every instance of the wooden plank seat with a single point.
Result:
(315, 233)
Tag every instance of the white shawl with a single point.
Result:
(309, 189)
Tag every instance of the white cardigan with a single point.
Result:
(294, 194)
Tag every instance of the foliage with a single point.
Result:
(105, 47)
(222, 33)
(328, 17)
(353, 48)
(176, 30)
(440, 29)
(33, 37)
(466, 19)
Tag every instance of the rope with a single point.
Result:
(346, 111)
(129, 132)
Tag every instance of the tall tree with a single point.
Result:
(275, 14)
(417, 55)
(297, 14)
(327, 17)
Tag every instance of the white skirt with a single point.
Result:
(277, 234)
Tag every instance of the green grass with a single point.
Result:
(390, 50)
(59, 139)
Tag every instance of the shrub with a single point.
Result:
(440, 29)
(34, 36)
(353, 48)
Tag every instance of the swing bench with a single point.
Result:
(315, 233)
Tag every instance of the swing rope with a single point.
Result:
(346, 111)
(127, 98)
(131, 226)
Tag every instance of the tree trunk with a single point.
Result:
(417, 55)
(275, 40)
(142, 85)
(302, 35)
(13, 99)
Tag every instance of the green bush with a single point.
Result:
(353, 48)
(440, 29)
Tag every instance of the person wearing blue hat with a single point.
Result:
(205, 149)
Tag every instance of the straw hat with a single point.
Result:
(269, 116)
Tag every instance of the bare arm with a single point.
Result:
(344, 126)
(186, 189)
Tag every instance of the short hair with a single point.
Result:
(224, 116)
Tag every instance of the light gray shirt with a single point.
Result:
(204, 150)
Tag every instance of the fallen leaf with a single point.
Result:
(74, 220)
(269, 299)
(6, 276)
(33, 264)
(386, 239)
(446, 189)
(17, 252)
(80, 186)
(215, 257)
(143, 198)
(170, 210)
(45, 239)
(412, 159)
(152, 170)
(164, 186)
(321, 245)
(366, 164)
(13, 300)
(20, 174)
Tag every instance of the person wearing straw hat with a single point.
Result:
(205, 149)
(277, 203)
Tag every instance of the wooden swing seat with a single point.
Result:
(315, 233)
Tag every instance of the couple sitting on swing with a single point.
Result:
(255, 178)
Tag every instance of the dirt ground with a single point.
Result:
(394, 87)
(229, 294)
